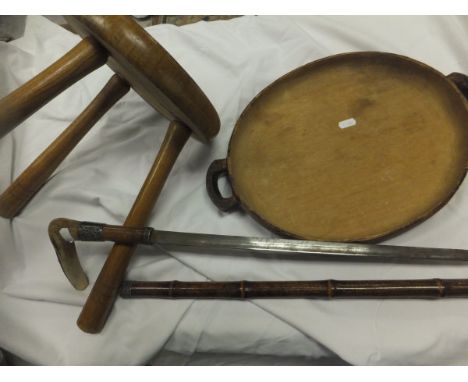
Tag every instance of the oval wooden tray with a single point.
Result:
(353, 147)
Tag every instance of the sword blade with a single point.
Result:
(303, 248)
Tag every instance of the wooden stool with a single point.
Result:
(141, 63)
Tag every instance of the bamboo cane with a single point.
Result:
(322, 289)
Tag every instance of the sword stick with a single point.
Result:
(88, 231)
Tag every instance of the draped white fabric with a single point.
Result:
(231, 61)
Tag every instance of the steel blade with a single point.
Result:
(309, 249)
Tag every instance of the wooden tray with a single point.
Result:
(353, 147)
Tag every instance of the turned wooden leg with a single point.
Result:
(101, 299)
(18, 194)
(84, 58)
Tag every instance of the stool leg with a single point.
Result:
(18, 194)
(101, 299)
(84, 58)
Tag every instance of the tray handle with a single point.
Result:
(216, 169)
(461, 82)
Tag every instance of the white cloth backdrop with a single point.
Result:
(231, 61)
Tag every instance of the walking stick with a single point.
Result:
(323, 289)
(239, 245)
(429, 288)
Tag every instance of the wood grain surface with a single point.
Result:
(84, 58)
(165, 85)
(352, 147)
(137, 59)
(105, 290)
(151, 71)
(142, 63)
(25, 186)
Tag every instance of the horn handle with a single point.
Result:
(66, 252)
(17, 106)
(19, 193)
(101, 299)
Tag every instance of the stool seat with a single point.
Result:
(151, 71)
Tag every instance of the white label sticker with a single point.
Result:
(347, 123)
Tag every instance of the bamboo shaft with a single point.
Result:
(428, 288)
(100, 301)
(17, 106)
(23, 188)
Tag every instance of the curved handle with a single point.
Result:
(216, 169)
(17, 106)
(461, 82)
